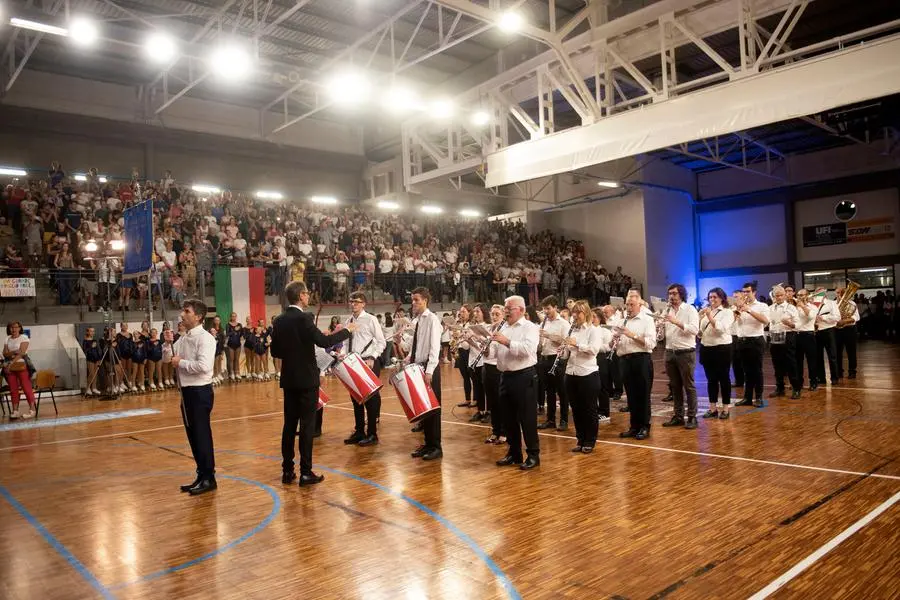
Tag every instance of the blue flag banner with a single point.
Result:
(138, 239)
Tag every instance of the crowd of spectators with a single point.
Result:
(49, 221)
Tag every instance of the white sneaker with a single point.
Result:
(14, 414)
(29, 415)
(153, 387)
(170, 383)
(88, 392)
(141, 389)
(605, 420)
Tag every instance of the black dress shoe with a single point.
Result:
(563, 425)
(547, 425)
(758, 403)
(674, 422)
(288, 476)
(624, 409)
(711, 414)
(578, 448)
(310, 479)
(369, 440)
(203, 486)
(851, 376)
(744, 402)
(587, 449)
(691, 423)
(317, 434)
(777, 394)
(530, 463)
(187, 488)
(418, 427)
(629, 433)
(669, 398)
(476, 418)
(508, 460)
(643, 434)
(795, 395)
(354, 438)
(419, 452)
(433, 454)
(616, 397)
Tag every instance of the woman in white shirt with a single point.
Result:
(16, 370)
(582, 377)
(716, 323)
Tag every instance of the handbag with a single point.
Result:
(15, 367)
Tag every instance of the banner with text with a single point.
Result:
(16, 287)
(138, 239)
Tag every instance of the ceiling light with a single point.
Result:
(468, 212)
(510, 22)
(431, 209)
(873, 270)
(91, 246)
(818, 274)
(83, 31)
(323, 200)
(608, 184)
(160, 47)
(388, 205)
(349, 88)
(80, 177)
(12, 172)
(102, 179)
(264, 195)
(481, 117)
(35, 26)
(400, 99)
(206, 189)
(230, 62)
(442, 109)
(117, 245)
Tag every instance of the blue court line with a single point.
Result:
(92, 418)
(456, 531)
(57, 545)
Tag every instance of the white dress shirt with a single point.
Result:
(678, 338)
(368, 330)
(855, 314)
(747, 325)
(558, 327)
(591, 341)
(490, 355)
(642, 326)
(806, 321)
(778, 312)
(427, 334)
(829, 314)
(523, 342)
(197, 349)
(718, 331)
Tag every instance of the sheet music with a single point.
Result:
(323, 359)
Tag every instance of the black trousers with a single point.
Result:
(736, 364)
(431, 425)
(371, 409)
(637, 371)
(826, 346)
(583, 390)
(716, 361)
(197, 404)
(806, 349)
(751, 349)
(491, 379)
(553, 387)
(603, 370)
(462, 364)
(846, 340)
(784, 361)
(478, 387)
(615, 375)
(299, 407)
(518, 397)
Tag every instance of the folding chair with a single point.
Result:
(45, 381)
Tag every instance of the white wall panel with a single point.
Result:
(743, 237)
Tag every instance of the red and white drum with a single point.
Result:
(323, 399)
(418, 400)
(357, 377)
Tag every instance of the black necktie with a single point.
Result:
(350, 346)
(412, 354)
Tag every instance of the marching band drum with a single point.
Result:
(416, 398)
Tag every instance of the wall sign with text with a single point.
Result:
(17, 287)
(860, 230)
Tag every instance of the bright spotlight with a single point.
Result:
(117, 245)
(432, 209)
(231, 62)
(102, 179)
(349, 88)
(91, 246)
(160, 47)
(510, 22)
(608, 184)
(481, 117)
(206, 189)
(80, 177)
(12, 172)
(442, 109)
(388, 205)
(264, 195)
(468, 212)
(323, 200)
(400, 99)
(83, 32)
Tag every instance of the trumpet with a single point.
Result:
(559, 352)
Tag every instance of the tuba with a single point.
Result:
(846, 309)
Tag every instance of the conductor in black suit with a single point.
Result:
(294, 338)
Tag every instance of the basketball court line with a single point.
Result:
(810, 560)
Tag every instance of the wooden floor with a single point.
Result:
(93, 509)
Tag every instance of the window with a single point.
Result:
(870, 279)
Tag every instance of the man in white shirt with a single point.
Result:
(553, 331)
(425, 350)
(516, 359)
(827, 316)
(636, 341)
(614, 380)
(193, 356)
(368, 341)
(752, 318)
(783, 318)
(846, 337)
(806, 338)
(682, 324)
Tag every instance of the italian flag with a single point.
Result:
(241, 290)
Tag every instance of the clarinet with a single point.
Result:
(615, 342)
(484, 349)
(559, 352)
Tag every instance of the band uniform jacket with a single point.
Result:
(294, 338)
